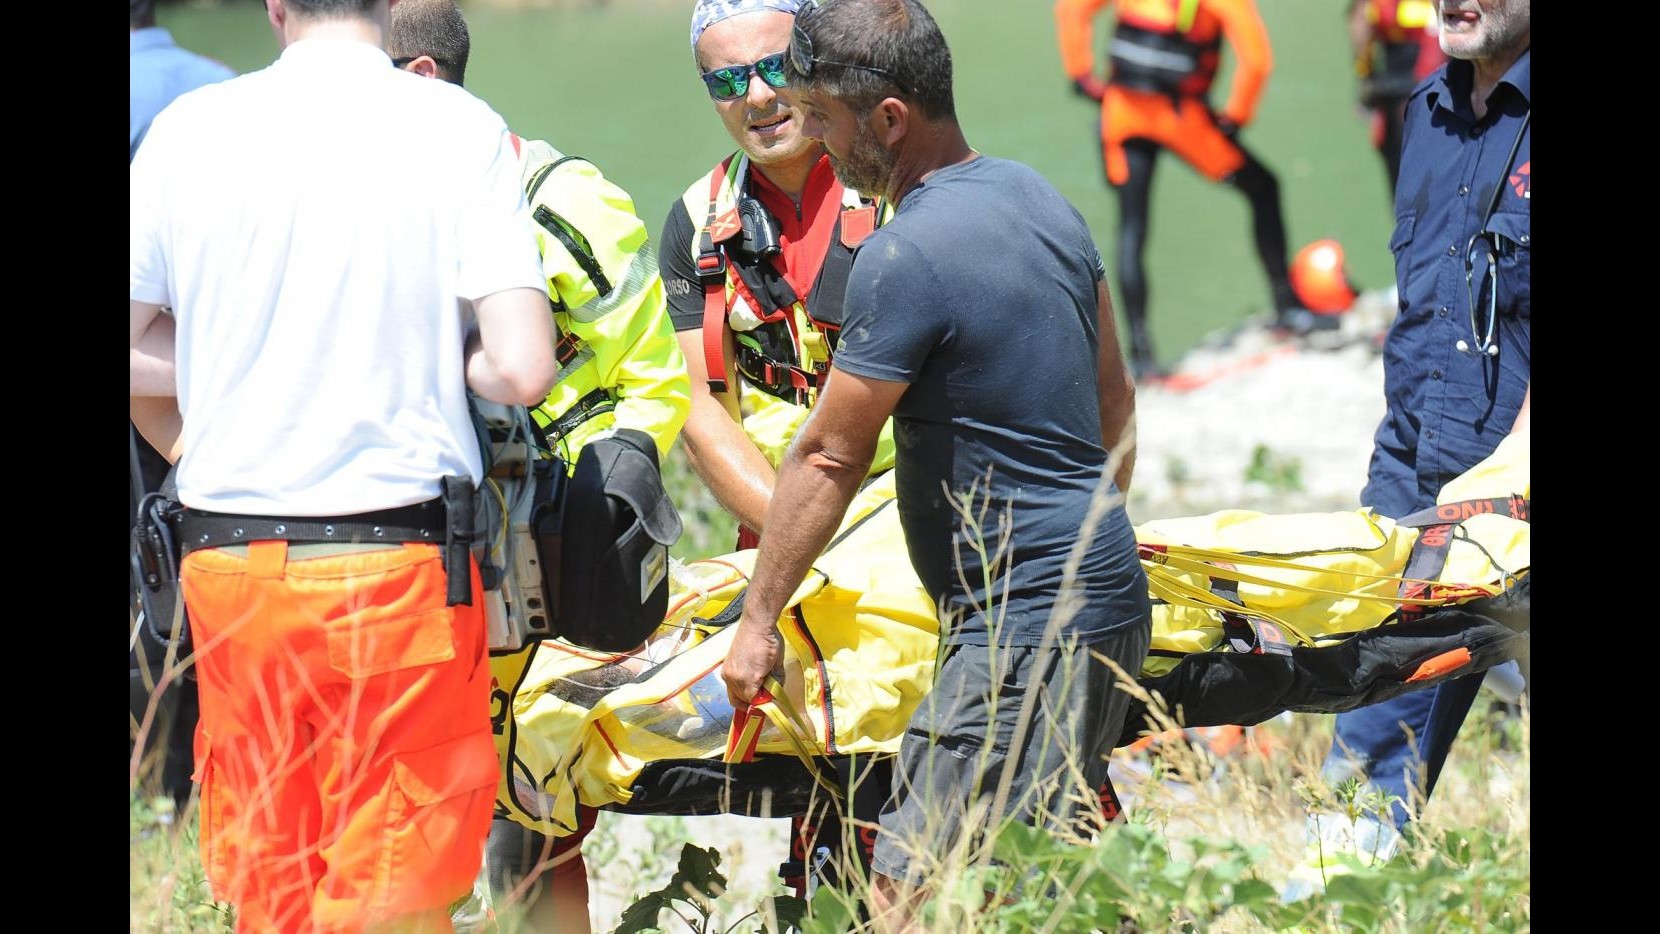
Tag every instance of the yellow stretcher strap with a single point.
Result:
(1217, 567)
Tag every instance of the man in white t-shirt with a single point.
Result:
(311, 381)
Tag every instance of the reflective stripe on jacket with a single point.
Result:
(620, 365)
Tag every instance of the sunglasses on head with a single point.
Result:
(732, 82)
(801, 50)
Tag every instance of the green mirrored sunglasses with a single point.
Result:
(732, 82)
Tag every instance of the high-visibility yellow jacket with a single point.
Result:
(619, 363)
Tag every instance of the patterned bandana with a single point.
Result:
(709, 12)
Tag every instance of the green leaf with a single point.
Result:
(1358, 890)
(642, 915)
(829, 913)
(700, 871)
(789, 911)
(1252, 892)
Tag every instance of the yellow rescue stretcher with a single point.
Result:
(1253, 615)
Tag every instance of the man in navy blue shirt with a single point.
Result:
(1456, 363)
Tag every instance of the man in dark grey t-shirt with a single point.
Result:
(978, 317)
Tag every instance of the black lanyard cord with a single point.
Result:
(1498, 189)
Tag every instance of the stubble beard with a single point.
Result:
(1500, 31)
(868, 165)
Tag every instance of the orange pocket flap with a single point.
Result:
(359, 647)
(447, 769)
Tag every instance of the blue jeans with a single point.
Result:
(1373, 741)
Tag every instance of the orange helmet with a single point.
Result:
(1320, 280)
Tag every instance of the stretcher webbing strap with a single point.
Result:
(1244, 634)
(746, 728)
(1435, 537)
(1424, 565)
(1516, 507)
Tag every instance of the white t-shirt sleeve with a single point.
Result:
(146, 195)
(498, 249)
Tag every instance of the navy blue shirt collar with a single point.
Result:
(1450, 88)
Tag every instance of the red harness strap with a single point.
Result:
(855, 223)
(711, 267)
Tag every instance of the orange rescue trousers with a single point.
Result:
(1185, 126)
(344, 749)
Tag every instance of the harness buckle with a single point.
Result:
(816, 347)
(711, 263)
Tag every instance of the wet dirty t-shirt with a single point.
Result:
(980, 293)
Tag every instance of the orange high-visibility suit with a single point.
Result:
(1164, 55)
(1163, 58)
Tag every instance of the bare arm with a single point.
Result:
(158, 421)
(817, 479)
(510, 357)
(153, 402)
(150, 351)
(1115, 388)
(721, 455)
(1523, 419)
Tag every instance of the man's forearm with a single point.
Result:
(158, 422)
(817, 479)
(509, 357)
(721, 455)
(483, 377)
(728, 462)
(150, 369)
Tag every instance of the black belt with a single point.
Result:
(447, 519)
(422, 522)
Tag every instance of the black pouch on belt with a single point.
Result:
(155, 569)
(458, 540)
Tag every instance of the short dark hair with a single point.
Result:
(898, 37)
(143, 13)
(434, 28)
(330, 9)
